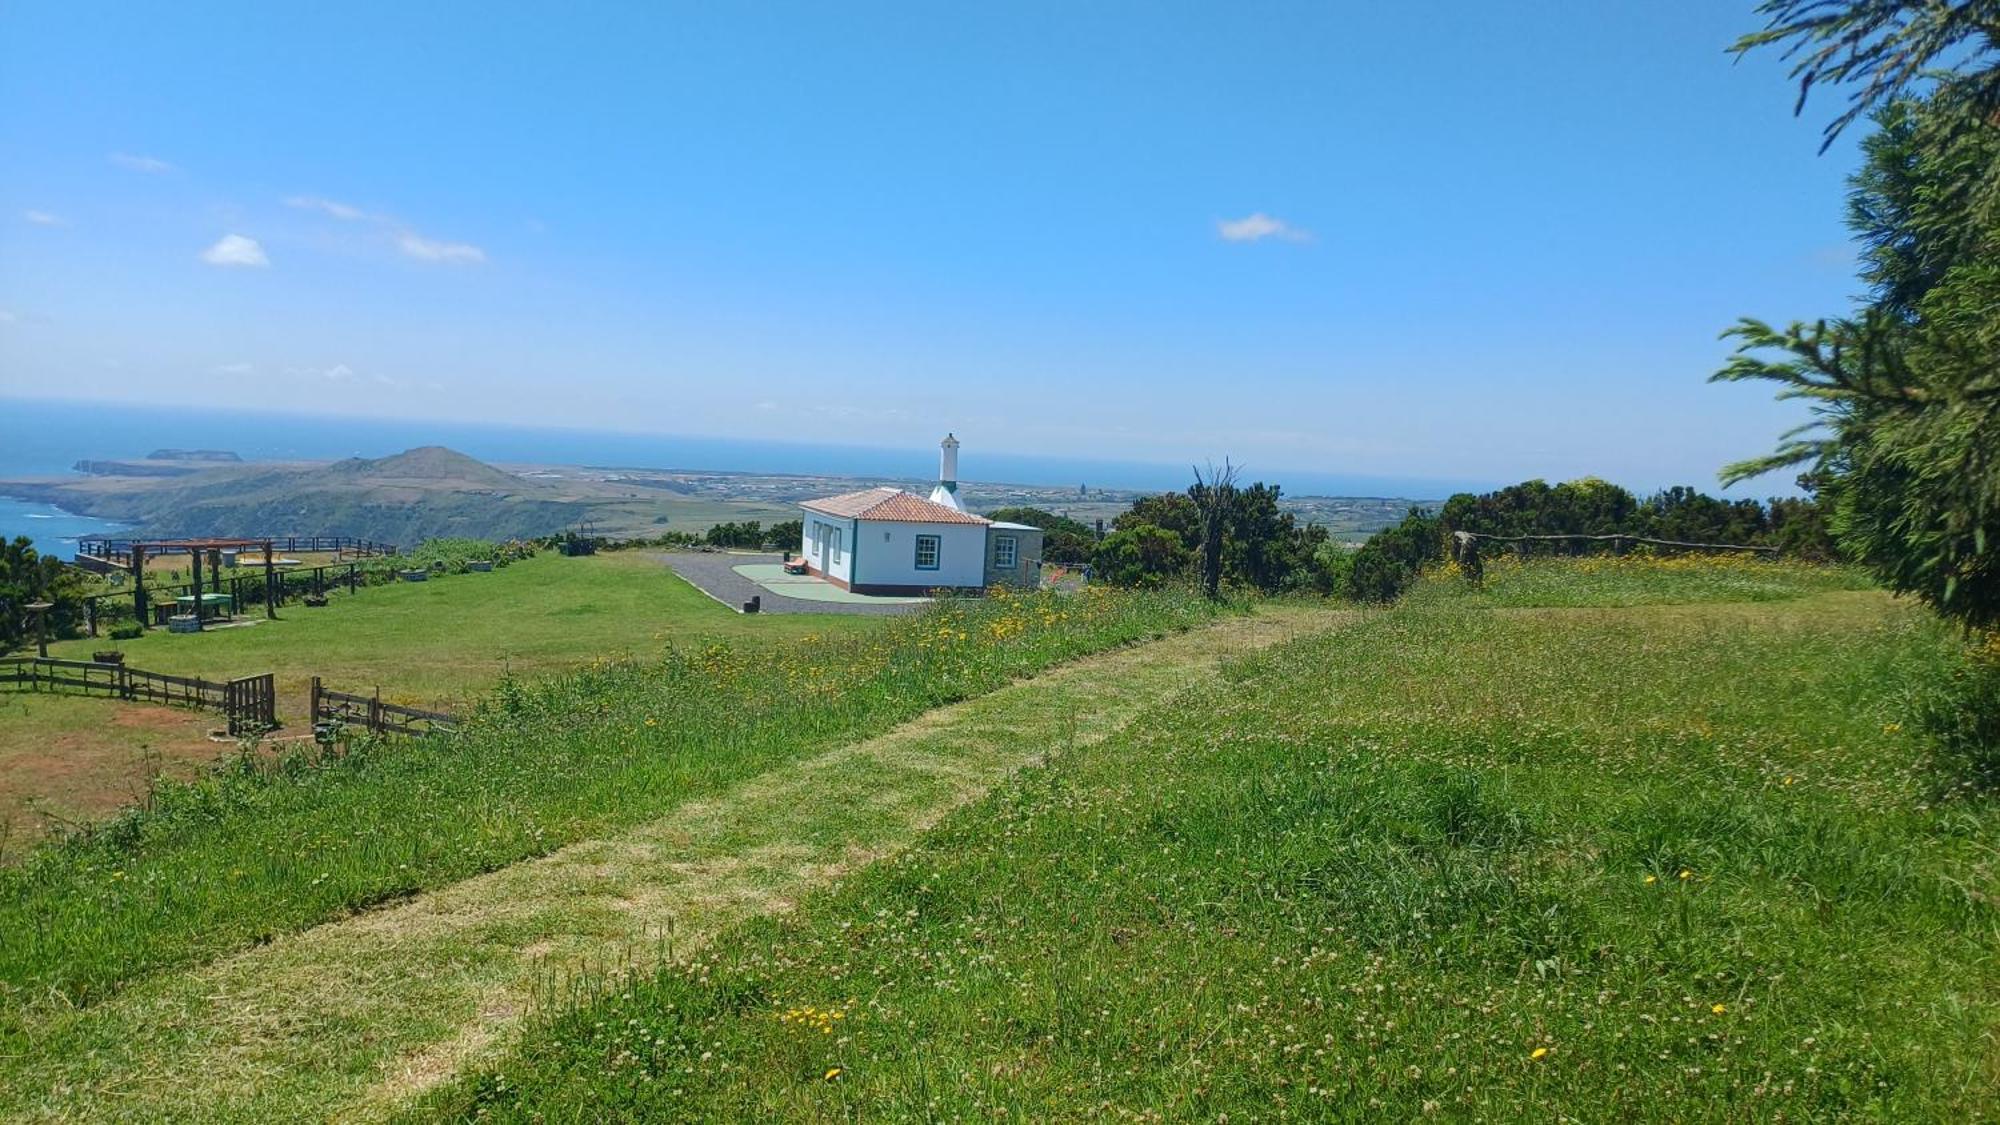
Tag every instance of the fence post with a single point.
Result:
(375, 713)
(270, 583)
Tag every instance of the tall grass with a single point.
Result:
(1668, 862)
(1640, 579)
(263, 849)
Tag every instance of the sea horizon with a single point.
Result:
(47, 437)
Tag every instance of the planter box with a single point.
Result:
(107, 656)
(416, 575)
(480, 566)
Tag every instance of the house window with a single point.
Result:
(1005, 552)
(927, 552)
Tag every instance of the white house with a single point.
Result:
(888, 541)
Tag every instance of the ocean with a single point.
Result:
(45, 438)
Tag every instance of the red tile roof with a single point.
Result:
(890, 504)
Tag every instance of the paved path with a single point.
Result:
(714, 574)
(352, 1019)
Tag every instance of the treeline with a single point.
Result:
(1158, 541)
(1391, 559)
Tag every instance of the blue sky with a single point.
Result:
(1451, 240)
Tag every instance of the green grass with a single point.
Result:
(243, 856)
(440, 642)
(350, 1019)
(1641, 580)
(1666, 861)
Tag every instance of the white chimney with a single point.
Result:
(946, 492)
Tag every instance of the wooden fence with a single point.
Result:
(338, 708)
(249, 703)
(118, 551)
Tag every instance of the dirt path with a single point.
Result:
(350, 1019)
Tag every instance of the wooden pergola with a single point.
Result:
(196, 548)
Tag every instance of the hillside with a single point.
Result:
(411, 496)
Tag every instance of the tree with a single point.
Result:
(27, 576)
(1391, 559)
(1904, 391)
(1884, 48)
(1142, 556)
(1215, 499)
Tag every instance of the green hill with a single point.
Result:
(419, 494)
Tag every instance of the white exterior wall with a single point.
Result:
(839, 533)
(886, 554)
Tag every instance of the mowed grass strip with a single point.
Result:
(241, 857)
(1654, 862)
(350, 1019)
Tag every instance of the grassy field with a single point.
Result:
(1645, 843)
(436, 644)
(271, 848)
(350, 1019)
(440, 642)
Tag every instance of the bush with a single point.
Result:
(127, 632)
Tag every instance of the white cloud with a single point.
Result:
(1257, 226)
(45, 219)
(8, 316)
(342, 211)
(430, 250)
(235, 250)
(234, 369)
(338, 373)
(149, 164)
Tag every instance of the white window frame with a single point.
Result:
(1006, 552)
(936, 543)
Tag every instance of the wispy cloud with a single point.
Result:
(342, 211)
(9, 316)
(152, 165)
(234, 369)
(45, 218)
(235, 250)
(1257, 226)
(412, 244)
(431, 250)
(338, 373)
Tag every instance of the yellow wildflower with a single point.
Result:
(1538, 1052)
(1718, 1009)
(834, 1072)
